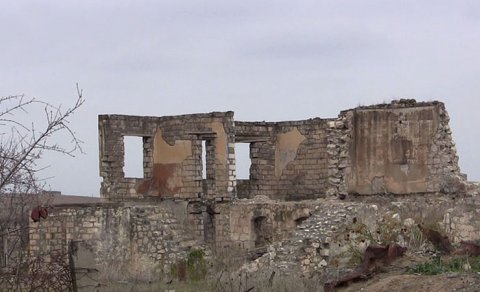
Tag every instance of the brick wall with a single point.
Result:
(288, 159)
(401, 147)
(172, 156)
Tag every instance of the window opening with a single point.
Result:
(242, 160)
(204, 159)
(133, 151)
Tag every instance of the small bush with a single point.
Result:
(194, 268)
(389, 230)
(196, 265)
(434, 267)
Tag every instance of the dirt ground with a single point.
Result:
(390, 279)
(417, 283)
(394, 278)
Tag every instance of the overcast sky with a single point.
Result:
(265, 60)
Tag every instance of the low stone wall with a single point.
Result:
(157, 235)
(118, 235)
(318, 236)
(245, 225)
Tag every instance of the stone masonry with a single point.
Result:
(297, 169)
(403, 147)
(171, 156)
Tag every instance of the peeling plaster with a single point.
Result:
(163, 153)
(167, 170)
(286, 149)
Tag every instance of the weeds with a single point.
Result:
(389, 230)
(196, 265)
(439, 266)
(194, 268)
(356, 255)
(415, 239)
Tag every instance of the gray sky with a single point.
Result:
(265, 60)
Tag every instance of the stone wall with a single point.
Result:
(288, 159)
(160, 234)
(307, 237)
(329, 241)
(340, 134)
(172, 156)
(401, 147)
(118, 234)
(247, 225)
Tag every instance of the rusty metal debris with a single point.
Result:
(39, 212)
(439, 241)
(374, 257)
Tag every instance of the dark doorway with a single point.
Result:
(262, 231)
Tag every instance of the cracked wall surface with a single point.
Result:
(390, 153)
(393, 149)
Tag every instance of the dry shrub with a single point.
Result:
(137, 269)
(42, 273)
(268, 280)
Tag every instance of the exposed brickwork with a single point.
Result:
(176, 170)
(305, 176)
(445, 173)
(401, 147)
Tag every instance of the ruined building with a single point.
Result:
(404, 147)
(401, 148)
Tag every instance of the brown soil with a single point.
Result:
(395, 279)
(438, 283)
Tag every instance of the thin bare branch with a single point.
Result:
(22, 144)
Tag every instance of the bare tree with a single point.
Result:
(22, 145)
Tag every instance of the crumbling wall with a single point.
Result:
(119, 235)
(249, 225)
(340, 133)
(444, 175)
(331, 239)
(172, 156)
(288, 159)
(401, 148)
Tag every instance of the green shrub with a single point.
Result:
(196, 265)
